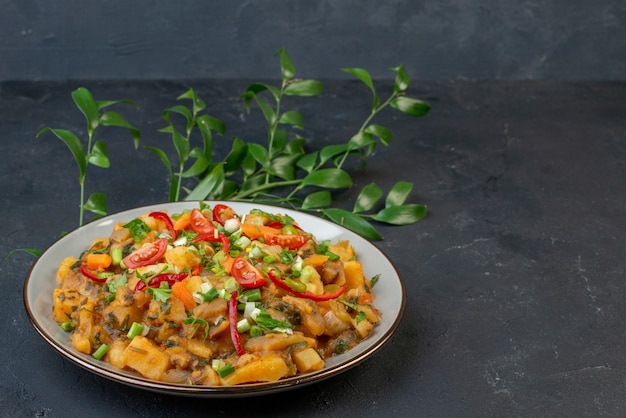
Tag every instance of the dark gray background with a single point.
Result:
(435, 39)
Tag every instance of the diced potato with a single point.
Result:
(353, 271)
(64, 302)
(277, 342)
(182, 257)
(145, 357)
(81, 343)
(64, 268)
(310, 315)
(268, 368)
(115, 355)
(197, 348)
(364, 327)
(343, 249)
(307, 360)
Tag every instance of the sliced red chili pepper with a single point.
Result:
(156, 281)
(91, 275)
(232, 318)
(162, 216)
(211, 237)
(222, 213)
(149, 254)
(308, 295)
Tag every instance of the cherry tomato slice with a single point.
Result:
(147, 255)
(200, 223)
(222, 213)
(162, 216)
(246, 274)
(292, 242)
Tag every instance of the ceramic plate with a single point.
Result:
(41, 281)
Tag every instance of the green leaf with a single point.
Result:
(181, 110)
(401, 215)
(198, 104)
(381, 132)
(367, 199)
(307, 162)
(162, 156)
(268, 112)
(31, 251)
(208, 185)
(295, 146)
(83, 99)
(97, 204)
(410, 106)
(116, 119)
(353, 222)
(330, 151)
(361, 139)
(402, 79)
(304, 88)
(293, 118)
(284, 166)
(182, 146)
(209, 123)
(98, 156)
(365, 77)
(287, 69)
(332, 178)
(235, 157)
(259, 153)
(398, 194)
(319, 199)
(254, 89)
(75, 146)
(199, 166)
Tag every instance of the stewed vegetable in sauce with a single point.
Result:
(212, 297)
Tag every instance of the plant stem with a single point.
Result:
(266, 186)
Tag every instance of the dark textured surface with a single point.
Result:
(435, 39)
(515, 281)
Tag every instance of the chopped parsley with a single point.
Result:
(138, 229)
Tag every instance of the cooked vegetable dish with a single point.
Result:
(212, 297)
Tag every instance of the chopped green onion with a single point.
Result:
(251, 295)
(100, 352)
(256, 252)
(116, 255)
(230, 285)
(243, 325)
(243, 242)
(226, 370)
(332, 256)
(68, 326)
(295, 285)
(135, 330)
(269, 259)
(256, 331)
(307, 273)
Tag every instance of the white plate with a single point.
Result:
(41, 281)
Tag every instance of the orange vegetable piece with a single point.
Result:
(180, 292)
(98, 261)
(255, 231)
(182, 222)
(316, 260)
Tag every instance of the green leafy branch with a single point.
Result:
(95, 152)
(282, 172)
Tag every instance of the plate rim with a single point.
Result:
(134, 379)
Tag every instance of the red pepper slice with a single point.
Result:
(156, 281)
(232, 318)
(222, 213)
(308, 295)
(91, 275)
(211, 237)
(162, 216)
